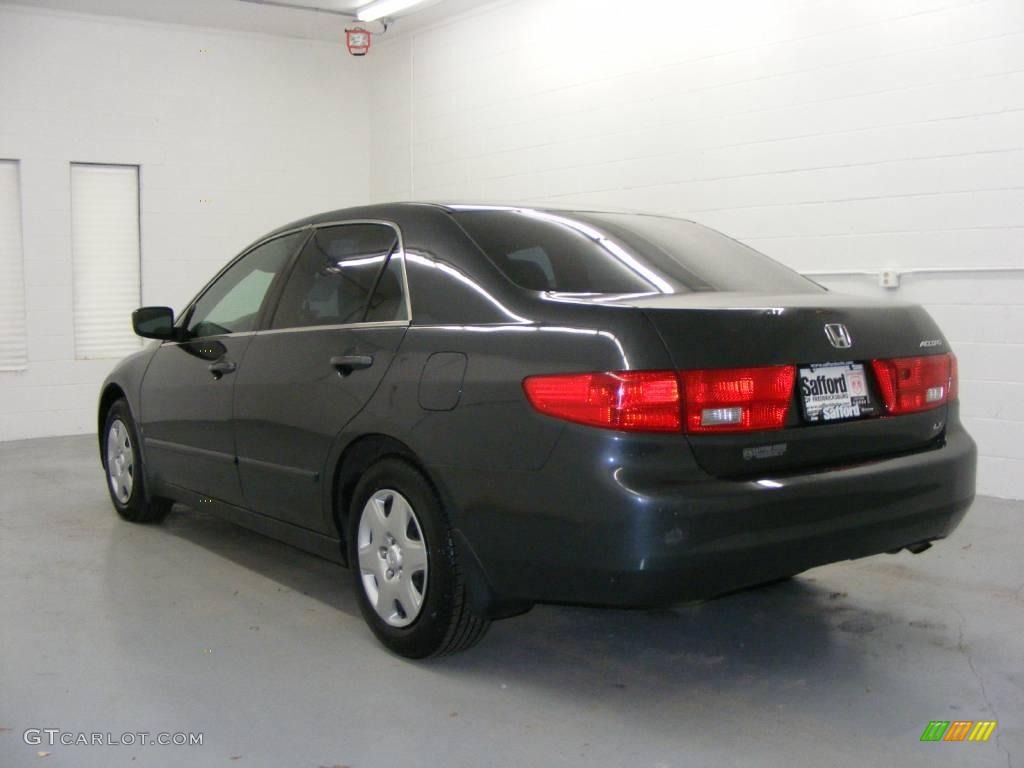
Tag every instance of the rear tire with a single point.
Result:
(411, 588)
(122, 465)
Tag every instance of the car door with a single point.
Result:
(186, 410)
(341, 316)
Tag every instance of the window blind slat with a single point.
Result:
(13, 338)
(105, 258)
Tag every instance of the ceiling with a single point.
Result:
(257, 17)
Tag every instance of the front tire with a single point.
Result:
(122, 464)
(411, 588)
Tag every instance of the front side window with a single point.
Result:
(232, 304)
(351, 273)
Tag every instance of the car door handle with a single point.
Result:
(219, 369)
(345, 364)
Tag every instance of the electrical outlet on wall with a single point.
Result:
(889, 278)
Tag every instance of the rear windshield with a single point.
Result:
(613, 253)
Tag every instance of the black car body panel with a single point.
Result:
(636, 521)
(549, 510)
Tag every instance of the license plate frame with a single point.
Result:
(834, 392)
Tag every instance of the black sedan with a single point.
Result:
(478, 408)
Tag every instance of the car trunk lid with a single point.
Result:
(730, 330)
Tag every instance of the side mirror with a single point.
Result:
(155, 323)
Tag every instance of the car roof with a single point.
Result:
(544, 207)
(388, 210)
(383, 209)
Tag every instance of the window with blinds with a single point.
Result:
(13, 341)
(105, 258)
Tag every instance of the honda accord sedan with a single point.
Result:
(479, 408)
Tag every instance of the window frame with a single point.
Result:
(273, 297)
(83, 164)
(20, 363)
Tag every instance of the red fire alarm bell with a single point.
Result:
(357, 41)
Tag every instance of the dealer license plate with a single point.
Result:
(835, 392)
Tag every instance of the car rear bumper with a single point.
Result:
(632, 522)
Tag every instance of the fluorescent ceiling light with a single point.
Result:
(382, 8)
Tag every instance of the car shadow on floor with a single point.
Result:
(781, 635)
(804, 648)
(290, 567)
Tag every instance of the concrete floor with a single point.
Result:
(197, 625)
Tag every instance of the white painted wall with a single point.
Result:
(831, 134)
(267, 129)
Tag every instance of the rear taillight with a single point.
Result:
(912, 384)
(634, 401)
(724, 400)
(737, 399)
(954, 378)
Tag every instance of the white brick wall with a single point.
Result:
(833, 135)
(269, 129)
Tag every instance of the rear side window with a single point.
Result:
(347, 274)
(621, 253)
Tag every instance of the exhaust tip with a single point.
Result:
(919, 547)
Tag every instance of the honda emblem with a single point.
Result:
(838, 336)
